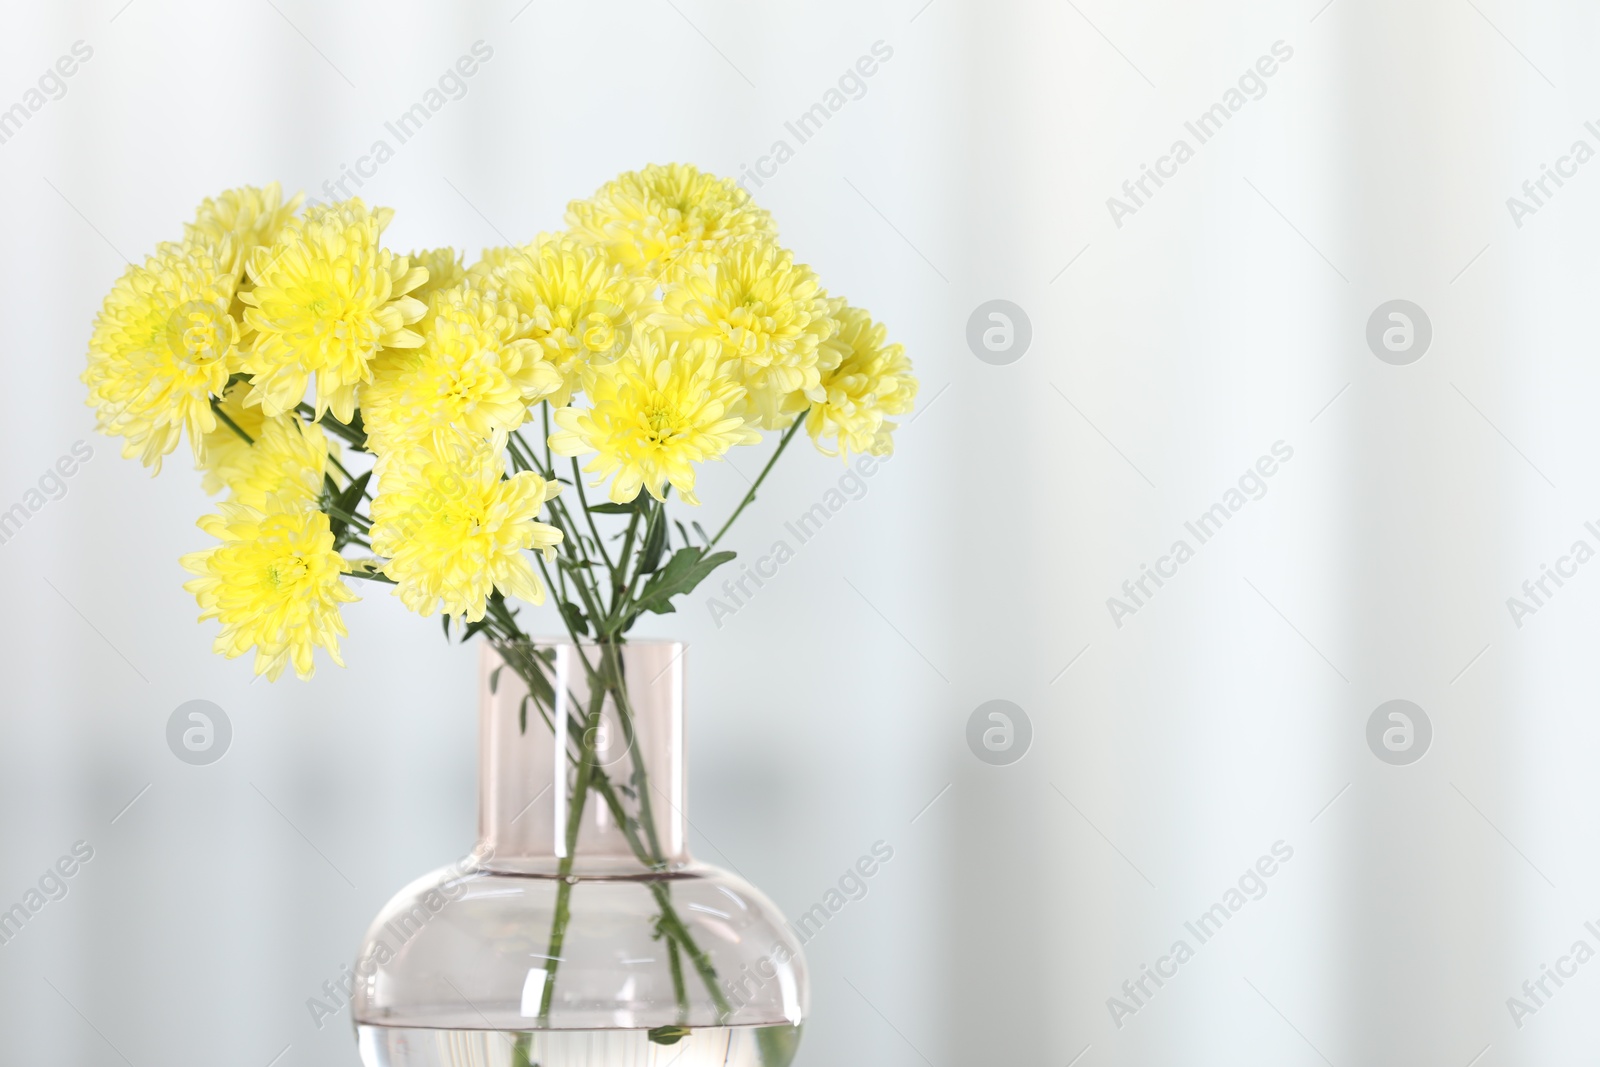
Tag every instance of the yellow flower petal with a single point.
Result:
(273, 583)
(454, 529)
(662, 407)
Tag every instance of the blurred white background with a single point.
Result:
(1227, 313)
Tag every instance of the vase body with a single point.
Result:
(580, 931)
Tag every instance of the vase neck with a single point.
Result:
(553, 716)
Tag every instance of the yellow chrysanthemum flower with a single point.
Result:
(223, 453)
(657, 411)
(288, 461)
(251, 217)
(273, 583)
(765, 315)
(455, 530)
(472, 372)
(445, 271)
(868, 380)
(164, 341)
(579, 306)
(328, 296)
(650, 219)
(485, 273)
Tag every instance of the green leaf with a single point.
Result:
(473, 629)
(669, 1035)
(494, 678)
(682, 532)
(701, 531)
(349, 501)
(609, 508)
(446, 620)
(687, 568)
(576, 618)
(530, 664)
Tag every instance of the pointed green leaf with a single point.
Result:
(669, 1035)
(687, 568)
(576, 618)
(349, 501)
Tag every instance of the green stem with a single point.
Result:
(650, 856)
(348, 477)
(609, 679)
(216, 407)
(751, 495)
(521, 456)
(357, 521)
(372, 576)
(669, 921)
(561, 515)
(617, 576)
(572, 547)
(678, 989)
(583, 501)
(563, 912)
(702, 963)
(622, 620)
(640, 782)
(549, 459)
(356, 439)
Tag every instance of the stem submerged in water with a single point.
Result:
(607, 680)
(589, 617)
(580, 796)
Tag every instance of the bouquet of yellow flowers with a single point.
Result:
(412, 421)
(404, 419)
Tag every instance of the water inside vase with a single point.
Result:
(726, 1046)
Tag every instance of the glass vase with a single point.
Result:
(579, 931)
